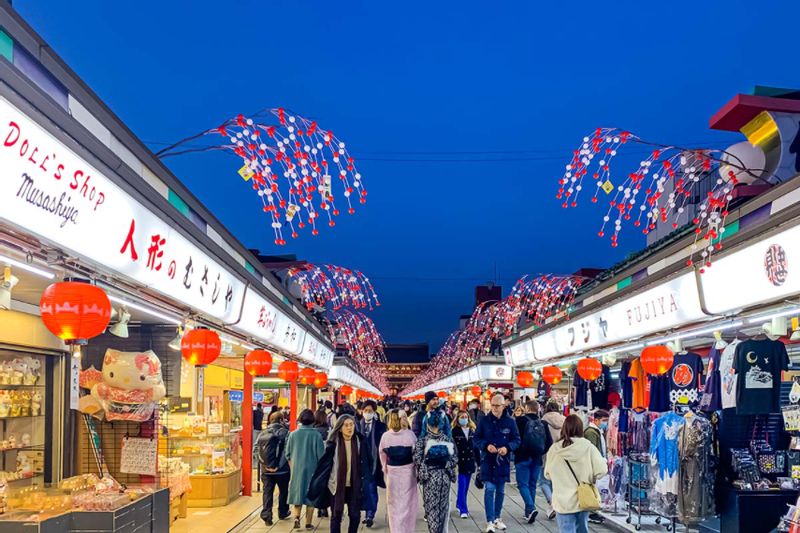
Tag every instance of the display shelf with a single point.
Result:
(21, 387)
(28, 478)
(37, 447)
(20, 417)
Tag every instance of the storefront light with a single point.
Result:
(767, 318)
(144, 309)
(25, 266)
(696, 333)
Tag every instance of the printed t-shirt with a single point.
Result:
(600, 388)
(686, 379)
(727, 374)
(758, 365)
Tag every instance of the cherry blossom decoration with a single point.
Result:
(358, 335)
(659, 191)
(301, 172)
(333, 287)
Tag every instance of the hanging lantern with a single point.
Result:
(200, 346)
(475, 390)
(288, 371)
(258, 363)
(552, 375)
(74, 311)
(320, 379)
(346, 390)
(524, 379)
(441, 394)
(307, 376)
(589, 368)
(657, 359)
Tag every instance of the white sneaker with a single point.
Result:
(490, 528)
(464, 515)
(551, 513)
(500, 525)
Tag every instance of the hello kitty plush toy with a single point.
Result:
(131, 386)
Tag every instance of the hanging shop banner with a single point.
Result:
(520, 353)
(267, 323)
(52, 192)
(759, 273)
(665, 306)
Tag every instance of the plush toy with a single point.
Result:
(131, 386)
(36, 403)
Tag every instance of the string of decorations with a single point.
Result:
(333, 287)
(357, 333)
(661, 190)
(300, 171)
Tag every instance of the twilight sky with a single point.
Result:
(461, 115)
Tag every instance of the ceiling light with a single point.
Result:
(7, 283)
(120, 329)
(175, 344)
(696, 333)
(765, 318)
(25, 266)
(144, 309)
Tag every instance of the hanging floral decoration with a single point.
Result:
(356, 333)
(661, 190)
(333, 287)
(303, 173)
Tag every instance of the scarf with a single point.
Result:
(341, 471)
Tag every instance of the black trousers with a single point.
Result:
(270, 482)
(353, 513)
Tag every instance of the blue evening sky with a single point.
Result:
(396, 80)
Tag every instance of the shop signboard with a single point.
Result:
(55, 194)
(665, 306)
(236, 396)
(266, 322)
(258, 397)
(766, 271)
(520, 353)
(346, 375)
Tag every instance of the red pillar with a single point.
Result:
(464, 405)
(293, 405)
(247, 436)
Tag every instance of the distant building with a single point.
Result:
(404, 362)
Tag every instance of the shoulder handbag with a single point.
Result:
(588, 495)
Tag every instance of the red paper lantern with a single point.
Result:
(346, 390)
(307, 376)
(657, 359)
(589, 368)
(524, 379)
(200, 346)
(441, 394)
(320, 379)
(74, 311)
(552, 375)
(258, 363)
(288, 371)
(475, 390)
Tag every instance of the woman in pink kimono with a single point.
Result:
(397, 457)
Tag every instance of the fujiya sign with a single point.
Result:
(668, 305)
(762, 272)
(51, 192)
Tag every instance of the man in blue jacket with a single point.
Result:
(496, 438)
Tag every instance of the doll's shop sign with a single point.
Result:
(57, 195)
(665, 306)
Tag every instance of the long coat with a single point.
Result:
(318, 492)
(304, 449)
(371, 443)
(499, 432)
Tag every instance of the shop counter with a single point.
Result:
(754, 511)
(214, 490)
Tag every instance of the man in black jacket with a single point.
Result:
(271, 450)
(529, 461)
(372, 429)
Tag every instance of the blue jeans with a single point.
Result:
(573, 522)
(547, 486)
(493, 495)
(370, 504)
(527, 475)
(463, 490)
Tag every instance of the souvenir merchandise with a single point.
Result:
(665, 457)
(686, 379)
(791, 417)
(639, 423)
(758, 365)
(711, 399)
(695, 448)
(727, 375)
(600, 389)
(581, 389)
(660, 393)
(626, 384)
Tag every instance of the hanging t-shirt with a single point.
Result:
(727, 375)
(581, 391)
(659, 393)
(640, 385)
(712, 394)
(626, 384)
(543, 390)
(600, 389)
(686, 379)
(758, 365)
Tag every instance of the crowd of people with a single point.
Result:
(339, 457)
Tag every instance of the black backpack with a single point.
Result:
(534, 440)
(271, 452)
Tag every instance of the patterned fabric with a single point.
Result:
(696, 500)
(665, 456)
(435, 482)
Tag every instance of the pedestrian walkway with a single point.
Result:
(512, 516)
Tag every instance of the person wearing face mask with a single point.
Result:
(372, 429)
(463, 436)
(496, 438)
(432, 403)
(596, 434)
(475, 411)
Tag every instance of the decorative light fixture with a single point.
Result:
(7, 283)
(524, 379)
(657, 359)
(258, 363)
(201, 346)
(589, 368)
(175, 344)
(120, 329)
(552, 375)
(288, 371)
(75, 311)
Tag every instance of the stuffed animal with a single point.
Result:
(36, 403)
(131, 387)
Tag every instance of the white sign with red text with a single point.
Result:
(267, 323)
(53, 193)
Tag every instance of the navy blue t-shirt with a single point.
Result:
(686, 379)
(581, 391)
(659, 393)
(600, 389)
(627, 385)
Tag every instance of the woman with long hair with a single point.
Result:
(342, 475)
(571, 461)
(321, 425)
(436, 460)
(304, 449)
(463, 432)
(397, 457)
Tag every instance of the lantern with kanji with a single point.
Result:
(288, 371)
(552, 375)
(346, 390)
(200, 346)
(320, 379)
(524, 379)
(258, 363)
(475, 390)
(75, 311)
(307, 376)
(657, 359)
(589, 368)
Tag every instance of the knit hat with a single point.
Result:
(430, 395)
